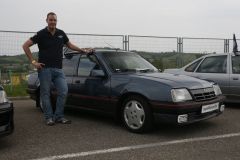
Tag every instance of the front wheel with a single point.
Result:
(136, 114)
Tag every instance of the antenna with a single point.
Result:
(111, 46)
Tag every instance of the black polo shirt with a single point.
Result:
(50, 47)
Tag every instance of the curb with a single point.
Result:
(19, 98)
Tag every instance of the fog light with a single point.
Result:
(182, 118)
(222, 107)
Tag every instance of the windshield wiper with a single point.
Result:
(144, 70)
(125, 70)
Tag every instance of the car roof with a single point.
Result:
(100, 51)
(205, 56)
(111, 51)
(217, 54)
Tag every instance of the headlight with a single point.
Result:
(180, 95)
(217, 89)
(3, 97)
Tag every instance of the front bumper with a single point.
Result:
(6, 118)
(186, 112)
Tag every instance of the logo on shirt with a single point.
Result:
(60, 36)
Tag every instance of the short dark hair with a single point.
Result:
(51, 13)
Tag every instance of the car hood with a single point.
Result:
(175, 80)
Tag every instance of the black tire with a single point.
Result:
(136, 114)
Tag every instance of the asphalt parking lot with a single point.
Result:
(95, 136)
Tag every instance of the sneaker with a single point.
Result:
(50, 122)
(63, 121)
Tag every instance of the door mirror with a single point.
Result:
(97, 73)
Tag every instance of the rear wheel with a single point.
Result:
(136, 114)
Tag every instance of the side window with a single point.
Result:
(214, 64)
(192, 67)
(236, 64)
(69, 65)
(87, 64)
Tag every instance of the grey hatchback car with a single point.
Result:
(223, 69)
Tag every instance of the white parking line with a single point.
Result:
(111, 150)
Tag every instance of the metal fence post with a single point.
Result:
(180, 45)
(123, 43)
(226, 45)
(179, 60)
(126, 43)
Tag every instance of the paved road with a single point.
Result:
(94, 136)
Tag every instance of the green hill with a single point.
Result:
(21, 59)
(17, 63)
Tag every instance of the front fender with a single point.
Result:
(152, 90)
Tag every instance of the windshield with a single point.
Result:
(127, 62)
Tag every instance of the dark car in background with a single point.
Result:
(130, 88)
(6, 114)
(223, 69)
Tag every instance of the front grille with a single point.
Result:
(4, 119)
(203, 94)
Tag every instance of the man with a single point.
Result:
(50, 42)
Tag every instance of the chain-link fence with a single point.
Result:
(97, 41)
(175, 52)
(203, 45)
(152, 44)
(11, 42)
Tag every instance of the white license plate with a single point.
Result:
(210, 107)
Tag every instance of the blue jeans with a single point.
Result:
(47, 77)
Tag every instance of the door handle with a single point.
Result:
(77, 81)
(235, 78)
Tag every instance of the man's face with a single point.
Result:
(52, 21)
